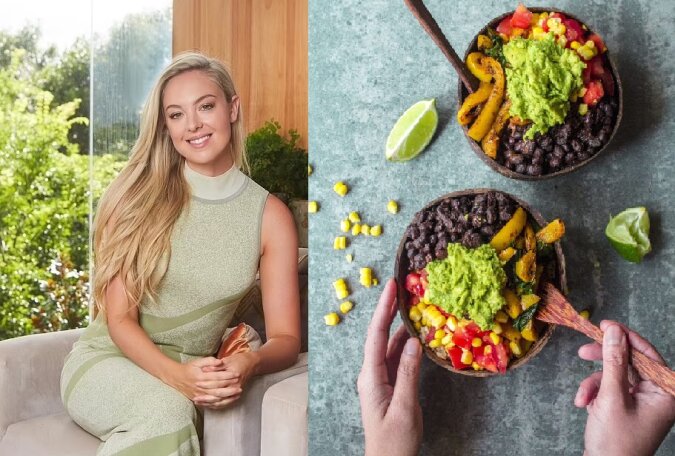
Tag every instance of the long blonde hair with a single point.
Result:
(137, 213)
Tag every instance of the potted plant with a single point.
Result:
(280, 166)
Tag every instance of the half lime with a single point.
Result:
(628, 233)
(412, 131)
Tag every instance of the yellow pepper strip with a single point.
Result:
(551, 232)
(529, 333)
(478, 67)
(472, 104)
(510, 231)
(490, 142)
(512, 306)
(484, 42)
(526, 267)
(486, 118)
(506, 254)
(528, 300)
(530, 239)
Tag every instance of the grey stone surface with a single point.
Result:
(368, 62)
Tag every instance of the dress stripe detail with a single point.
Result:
(79, 373)
(161, 445)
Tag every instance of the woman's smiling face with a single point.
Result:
(199, 119)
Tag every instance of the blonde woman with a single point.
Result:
(178, 238)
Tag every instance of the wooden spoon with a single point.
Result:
(555, 309)
(429, 24)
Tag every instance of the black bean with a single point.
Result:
(554, 163)
(488, 230)
(576, 145)
(534, 170)
(583, 156)
(516, 159)
(558, 152)
(528, 147)
(521, 168)
(569, 158)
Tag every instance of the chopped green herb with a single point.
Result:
(522, 320)
(497, 49)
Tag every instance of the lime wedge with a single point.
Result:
(628, 233)
(412, 131)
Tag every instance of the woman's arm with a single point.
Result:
(134, 342)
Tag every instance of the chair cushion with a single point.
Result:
(58, 436)
(284, 418)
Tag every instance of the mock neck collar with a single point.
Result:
(215, 188)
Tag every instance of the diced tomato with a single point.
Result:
(558, 15)
(487, 362)
(455, 354)
(464, 335)
(587, 74)
(413, 284)
(608, 83)
(504, 26)
(430, 335)
(522, 17)
(414, 300)
(573, 30)
(501, 356)
(596, 65)
(594, 92)
(599, 44)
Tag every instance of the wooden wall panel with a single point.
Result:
(264, 43)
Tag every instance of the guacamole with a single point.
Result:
(468, 283)
(540, 77)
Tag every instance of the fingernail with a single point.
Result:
(614, 335)
(412, 347)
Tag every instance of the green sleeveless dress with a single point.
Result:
(215, 253)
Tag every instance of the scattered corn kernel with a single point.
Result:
(375, 282)
(366, 278)
(414, 314)
(575, 45)
(340, 243)
(365, 229)
(446, 339)
(345, 226)
(439, 334)
(349, 257)
(476, 366)
(501, 317)
(341, 290)
(476, 342)
(497, 328)
(354, 217)
(356, 229)
(332, 319)
(376, 230)
(435, 343)
(451, 323)
(495, 338)
(346, 306)
(585, 314)
(309, 170)
(392, 206)
(515, 348)
(312, 207)
(583, 109)
(340, 188)
(467, 357)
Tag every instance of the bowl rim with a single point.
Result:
(402, 295)
(462, 93)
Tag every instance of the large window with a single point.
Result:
(62, 143)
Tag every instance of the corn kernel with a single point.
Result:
(562, 39)
(345, 226)
(366, 278)
(590, 44)
(501, 317)
(575, 45)
(435, 343)
(365, 229)
(585, 52)
(312, 207)
(451, 323)
(515, 348)
(332, 319)
(414, 314)
(476, 342)
(349, 257)
(354, 217)
(309, 170)
(439, 334)
(346, 306)
(341, 290)
(392, 206)
(495, 338)
(583, 109)
(340, 243)
(438, 321)
(446, 339)
(340, 188)
(582, 91)
(342, 293)
(585, 314)
(421, 305)
(476, 366)
(356, 229)
(376, 230)
(375, 282)
(417, 325)
(497, 328)
(511, 333)
(487, 350)
(467, 357)
(424, 321)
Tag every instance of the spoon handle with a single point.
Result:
(429, 24)
(645, 366)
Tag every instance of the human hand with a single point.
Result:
(626, 415)
(242, 365)
(202, 377)
(388, 384)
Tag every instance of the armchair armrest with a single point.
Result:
(30, 372)
(236, 429)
